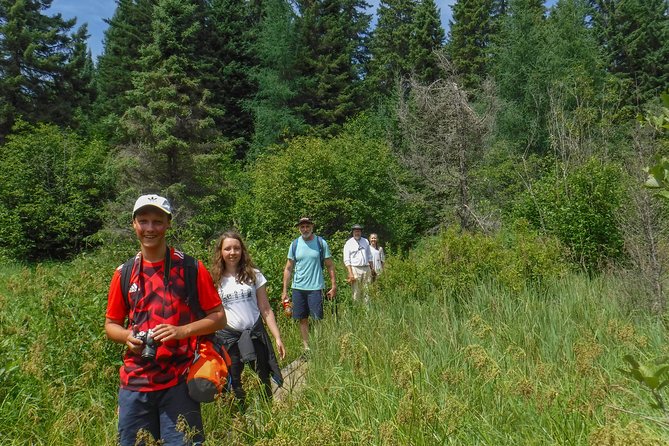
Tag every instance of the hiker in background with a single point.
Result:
(244, 295)
(358, 261)
(161, 331)
(307, 255)
(378, 256)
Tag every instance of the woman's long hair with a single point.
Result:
(245, 268)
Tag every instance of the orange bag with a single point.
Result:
(208, 374)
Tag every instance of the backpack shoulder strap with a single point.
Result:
(321, 250)
(293, 248)
(190, 266)
(126, 272)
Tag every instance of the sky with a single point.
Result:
(94, 12)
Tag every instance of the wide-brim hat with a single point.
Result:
(356, 226)
(154, 200)
(304, 220)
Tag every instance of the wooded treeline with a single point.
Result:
(251, 113)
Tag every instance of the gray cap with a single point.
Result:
(356, 226)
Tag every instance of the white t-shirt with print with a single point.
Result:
(240, 301)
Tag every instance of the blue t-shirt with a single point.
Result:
(308, 274)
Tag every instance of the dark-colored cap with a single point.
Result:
(356, 226)
(304, 220)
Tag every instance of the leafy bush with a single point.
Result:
(350, 178)
(578, 207)
(452, 263)
(51, 191)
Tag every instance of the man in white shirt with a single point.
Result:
(358, 261)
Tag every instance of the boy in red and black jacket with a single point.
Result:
(161, 331)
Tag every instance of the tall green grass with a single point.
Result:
(492, 364)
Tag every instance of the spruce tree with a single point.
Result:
(390, 45)
(332, 52)
(37, 71)
(172, 127)
(274, 119)
(81, 74)
(426, 39)
(635, 37)
(129, 30)
(228, 45)
(469, 40)
(520, 75)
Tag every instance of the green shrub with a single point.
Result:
(578, 208)
(51, 191)
(453, 262)
(338, 181)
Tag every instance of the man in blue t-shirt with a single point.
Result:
(306, 257)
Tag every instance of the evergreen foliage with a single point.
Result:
(42, 66)
(276, 46)
(470, 35)
(403, 43)
(171, 133)
(520, 75)
(390, 44)
(332, 53)
(127, 33)
(634, 35)
(228, 44)
(427, 38)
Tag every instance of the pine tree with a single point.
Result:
(274, 120)
(36, 65)
(332, 54)
(635, 37)
(426, 39)
(469, 40)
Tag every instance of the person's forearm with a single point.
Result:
(270, 320)
(212, 322)
(116, 332)
(286, 279)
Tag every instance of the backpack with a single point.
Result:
(208, 374)
(321, 250)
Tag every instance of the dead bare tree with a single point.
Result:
(644, 228)
(443, 137)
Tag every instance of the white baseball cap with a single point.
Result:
(161, 203)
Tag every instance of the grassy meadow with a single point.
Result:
(490, 365)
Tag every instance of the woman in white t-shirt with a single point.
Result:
(243, 293)
(378, 256)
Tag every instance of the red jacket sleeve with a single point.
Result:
(207, 293)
